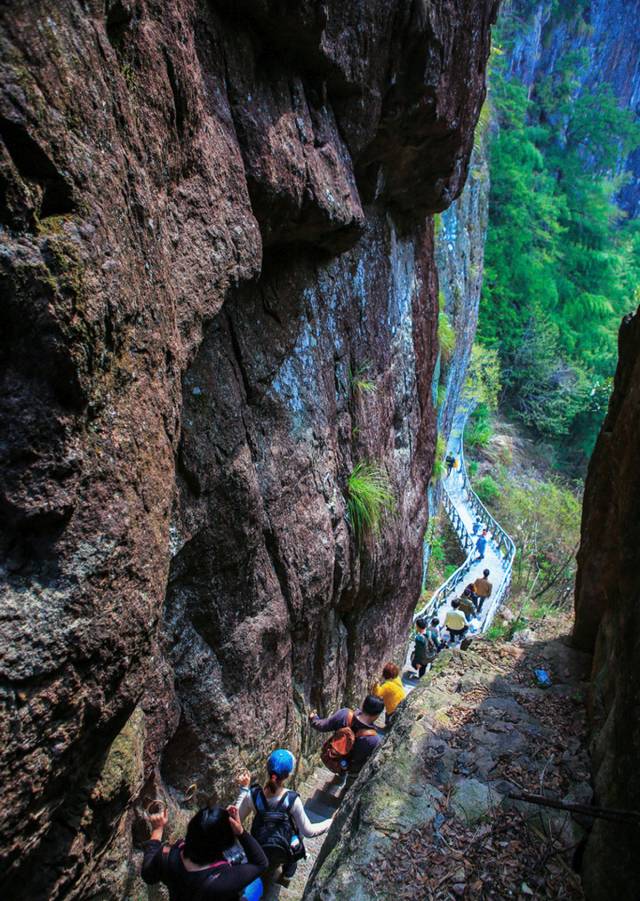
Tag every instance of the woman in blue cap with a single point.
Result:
(280, 822)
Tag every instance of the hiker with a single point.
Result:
(455, 622)
(435, 633)
(450, 460)
(482, 589)
(481, 546)
(476, 527)
(391, 690)
(469, 592)
(354, 738)
(424, 649)
(280, 822)
(466, 604)
(196, 869)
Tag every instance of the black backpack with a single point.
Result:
(273, 827)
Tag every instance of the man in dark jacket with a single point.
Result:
(424, 648)
(363, 720)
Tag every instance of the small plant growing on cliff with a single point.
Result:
(129, 75)
(370, 498)
(446, 334)
(438, 463)
(360, 381)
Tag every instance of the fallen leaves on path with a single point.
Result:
(505, 731)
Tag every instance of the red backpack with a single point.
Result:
(340, 745)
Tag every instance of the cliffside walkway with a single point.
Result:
(464, 508)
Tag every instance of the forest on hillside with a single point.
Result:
(562, 258)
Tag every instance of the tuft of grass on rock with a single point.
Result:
(369, 498)
(438, 462)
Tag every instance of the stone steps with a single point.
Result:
(321, 796)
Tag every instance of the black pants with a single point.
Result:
(280, 859)
(289, 869)
(455, 634)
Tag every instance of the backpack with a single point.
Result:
(169, 868)
(273, 827)
(428, 652)
(340, 745)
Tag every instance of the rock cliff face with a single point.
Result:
(607, 600)
(460, 259)
(214, 225)
(608, 31)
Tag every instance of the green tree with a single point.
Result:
(562, 264)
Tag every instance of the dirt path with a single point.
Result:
(498, 732)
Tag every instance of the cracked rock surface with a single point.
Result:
(214, 216)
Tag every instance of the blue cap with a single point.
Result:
(281, 763)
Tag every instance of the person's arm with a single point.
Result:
(244, 801)
(152, 862)
(331, 723)
(304, 825)
(151, 871)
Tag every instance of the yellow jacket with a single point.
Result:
(455, 620)
(392, 692)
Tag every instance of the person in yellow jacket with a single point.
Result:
(391, 690)
(455, 622)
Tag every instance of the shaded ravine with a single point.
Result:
(320, 794)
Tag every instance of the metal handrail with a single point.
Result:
(501, 540)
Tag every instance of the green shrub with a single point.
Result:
(478, 430)
(442, 396)
(497, 631)
(472, 468)
(487, 489)
(438, 463)
(484, 377)
(369, 499)
(446, 336)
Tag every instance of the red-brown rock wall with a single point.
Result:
(607, 603)
(233, 199)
